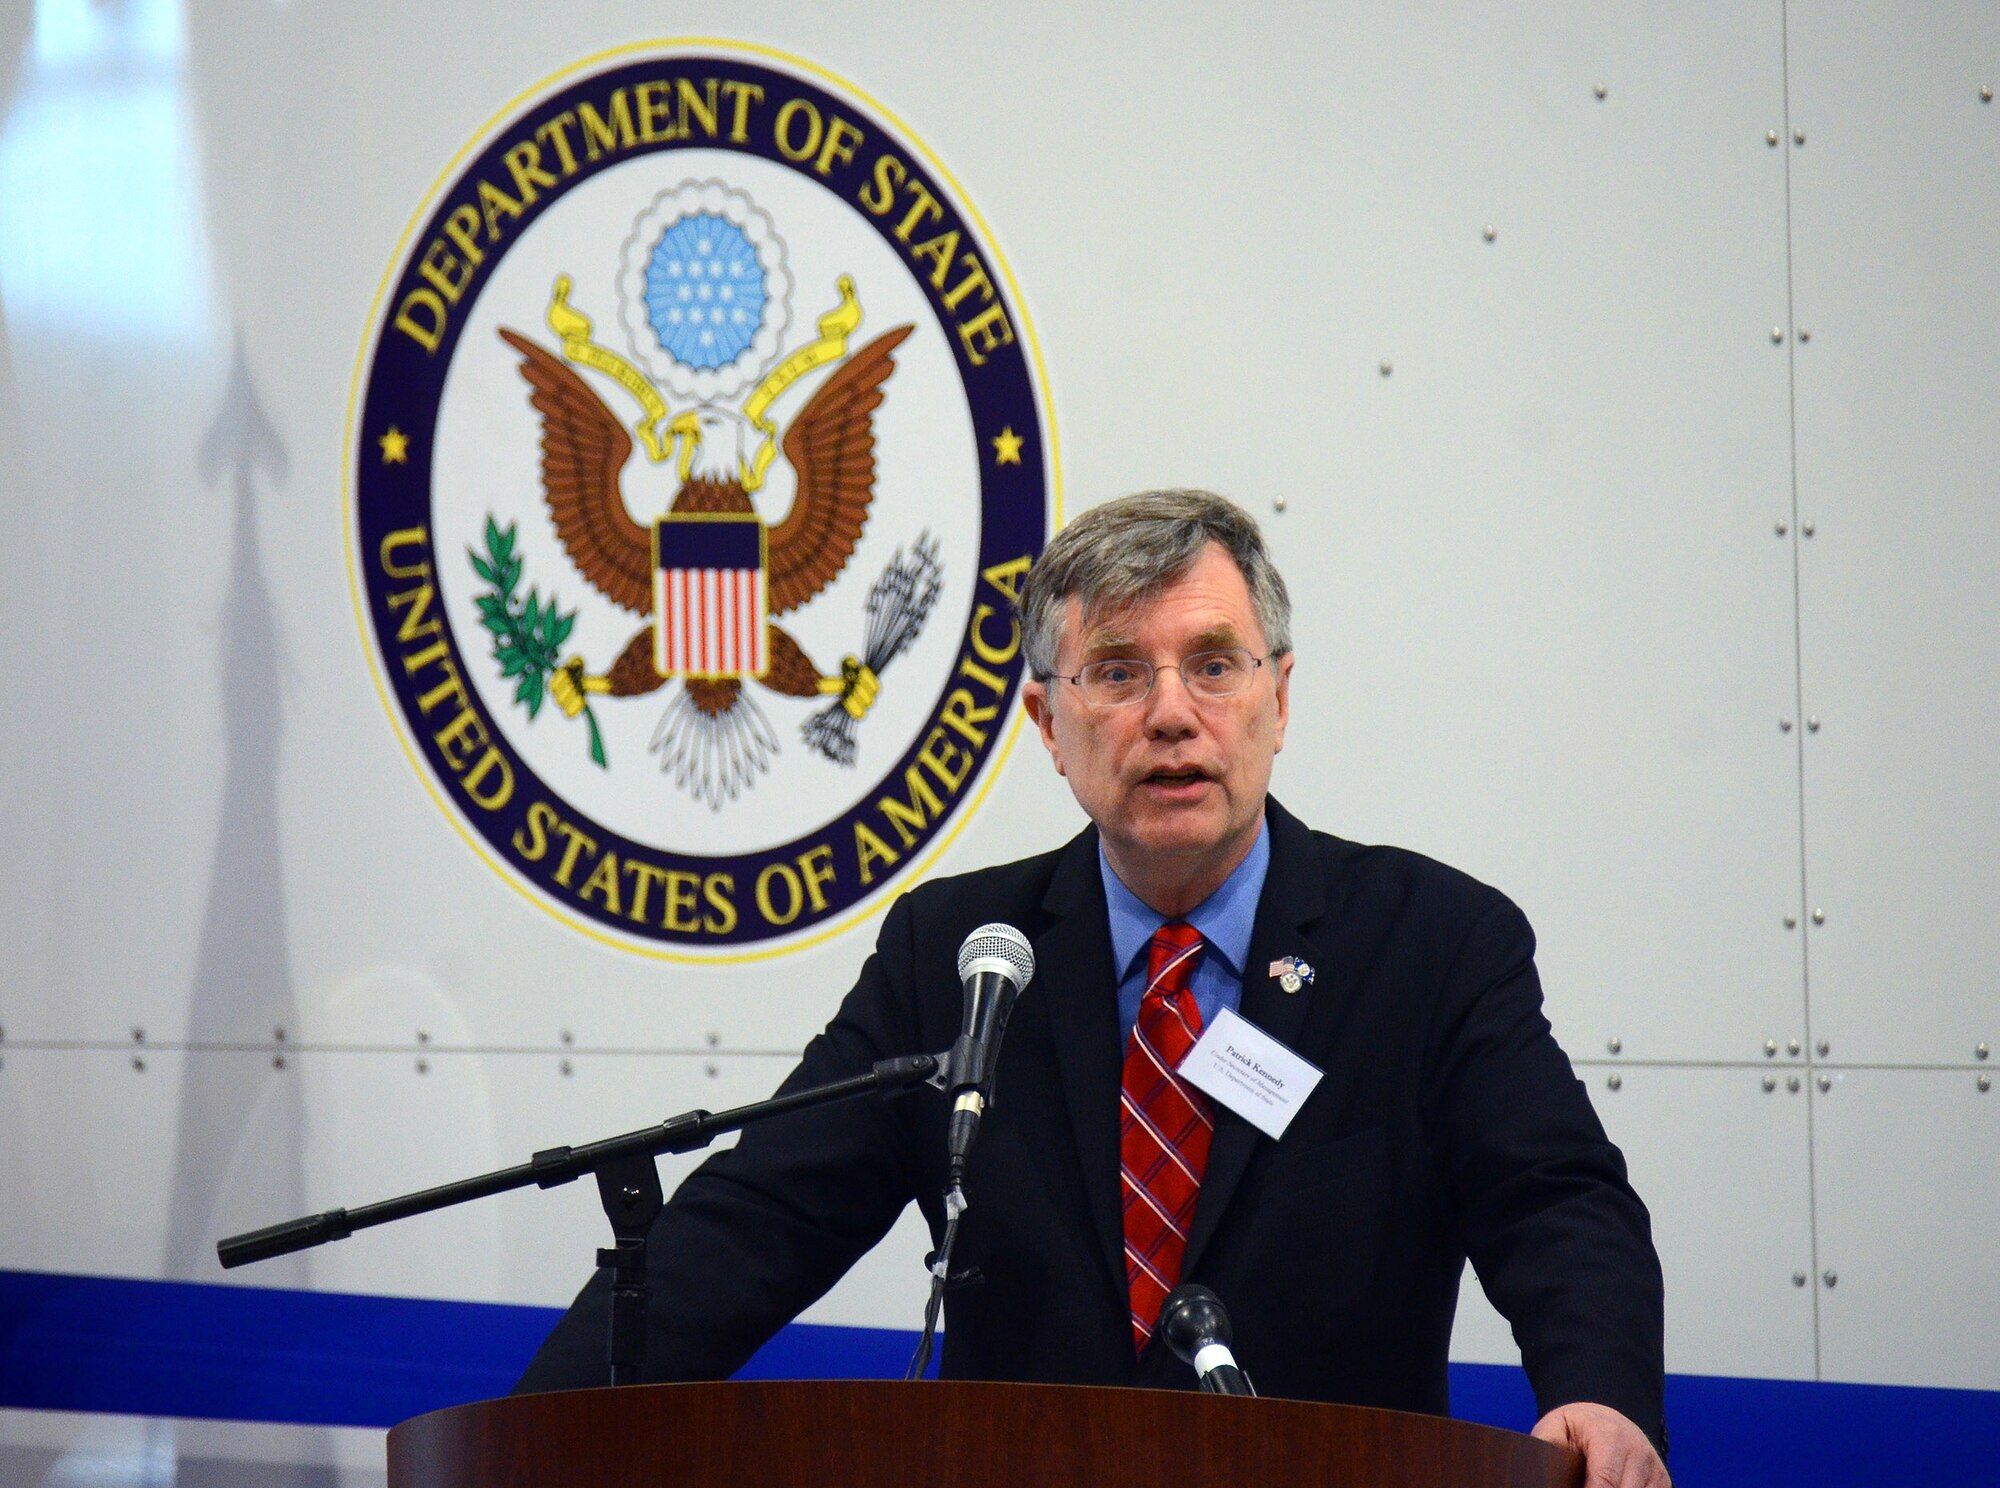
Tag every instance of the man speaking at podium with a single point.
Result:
(1447, 1123)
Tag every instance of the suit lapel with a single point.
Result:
(1293, 898)
(1073, 957)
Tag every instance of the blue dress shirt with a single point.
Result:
(1225, 920)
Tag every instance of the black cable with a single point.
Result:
(954, 1205)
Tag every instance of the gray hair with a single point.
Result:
(1121, 553)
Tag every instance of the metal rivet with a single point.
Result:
(1615, 1044)
(1985, 95)
(709, 1070)
(1792, 923)
(138, 1035)
(1770, 1048)
(1488, 232)
(1777, 334)
(1985, 1083)
(1770, 1083)
(566, 1037)
(1277, 503)
(1782, 527)
(1387, 366)
(138, 1064)
(1812, 724)
(1798, 136)
(1771, 138)
(1804, 334)
(277, 1061)
(1792, 1084)
(1603, 92)
(1819, 917)
(1792, 1047)
(1807, 528)
(1831, 1278)
(1825, 1083)
(277, 1035)
(1784, 725)
(1824, 1047)
(423, 1066)
(1980, 1051)
(1798, 1278)
(714, 1040)
(423, 1035)
(1616, 1082)
(567, 1068)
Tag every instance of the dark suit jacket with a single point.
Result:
(1449, 1124)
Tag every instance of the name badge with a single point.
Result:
(1250, 1072)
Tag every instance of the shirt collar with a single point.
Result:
(1225, 918)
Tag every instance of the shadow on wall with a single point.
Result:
(238, 1163)
(239, 1156)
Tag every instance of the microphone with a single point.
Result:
(1197, 1330)
(994, 964)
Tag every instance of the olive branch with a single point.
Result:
(527, 633)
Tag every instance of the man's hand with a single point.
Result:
(1616, 1453)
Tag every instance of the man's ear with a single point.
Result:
(1035, 696)
(1284, 685)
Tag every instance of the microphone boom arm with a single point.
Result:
(555, 1166)
(628, 1183)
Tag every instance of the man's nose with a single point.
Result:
(1170, 706)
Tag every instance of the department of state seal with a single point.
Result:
(700, 453)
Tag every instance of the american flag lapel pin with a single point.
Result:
(1292, 973)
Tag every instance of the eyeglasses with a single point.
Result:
(1207, 675)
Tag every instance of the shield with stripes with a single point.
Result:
(710, 603)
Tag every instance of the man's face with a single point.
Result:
(1175, 783)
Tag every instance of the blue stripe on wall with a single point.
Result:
(165, 1348)
(162, 1348)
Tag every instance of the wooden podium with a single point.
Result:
(846, 1434)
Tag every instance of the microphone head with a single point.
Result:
(1191, 1318)
(999, 948)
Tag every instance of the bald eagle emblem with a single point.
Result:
(709, 578)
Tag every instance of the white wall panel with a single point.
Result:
(1549, 633)
(1895, 216)
(1909, 1227)
(1722, 1163)
(90, 1181)
(113, 754)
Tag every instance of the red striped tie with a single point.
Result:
(1165, 1125)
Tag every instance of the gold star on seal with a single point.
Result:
(395, 446)
(1007, 447)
